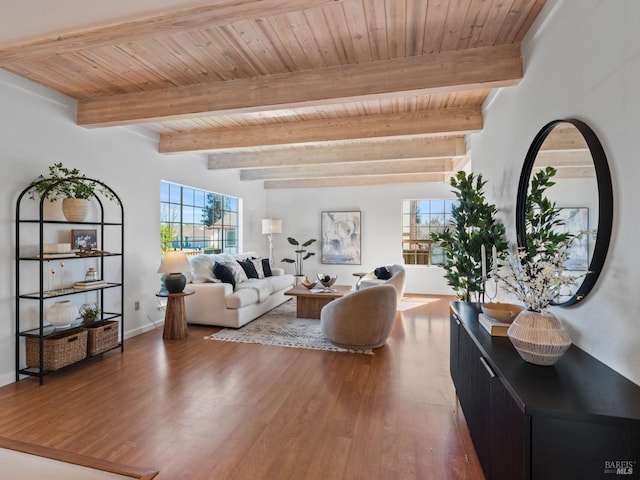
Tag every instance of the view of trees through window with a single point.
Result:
(420, 218)
(197, 221)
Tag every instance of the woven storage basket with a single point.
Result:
(59, 350)
(101, 337)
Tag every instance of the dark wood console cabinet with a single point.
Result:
(578, 419)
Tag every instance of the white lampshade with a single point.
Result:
(271, 225)
(174, 261)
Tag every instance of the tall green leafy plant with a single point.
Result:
(543, 221)
(472, 225)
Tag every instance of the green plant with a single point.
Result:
(67, 183)
(472, 225)
(543, 240)
(89, 311)
(301, 253)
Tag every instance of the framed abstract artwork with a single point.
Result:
(341, 241)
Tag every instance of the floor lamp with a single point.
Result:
(269, 227)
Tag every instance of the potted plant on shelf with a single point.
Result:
(473, 225)
(301, 253)
(89, 312)
(72, 187)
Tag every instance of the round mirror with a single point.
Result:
(566, 164)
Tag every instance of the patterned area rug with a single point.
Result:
(281, 328)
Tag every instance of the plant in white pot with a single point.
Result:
(74, 188)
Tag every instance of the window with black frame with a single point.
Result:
(197, 221)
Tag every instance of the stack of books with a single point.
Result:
(494, 327)
(89, 284)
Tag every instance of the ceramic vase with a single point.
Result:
(539, 337)
(62, 314)
(75, 209)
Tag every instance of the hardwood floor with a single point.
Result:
(203, 409)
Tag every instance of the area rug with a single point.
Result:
(281, 328)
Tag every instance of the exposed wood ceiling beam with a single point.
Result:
(426, 147)
(425, 122)
(360, 181)
(454, 71)
(346, 170)
(209, 16)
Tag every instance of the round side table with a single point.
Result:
(175, 318)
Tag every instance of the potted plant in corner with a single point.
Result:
(74, 188)
(301, 254)
(472, 226)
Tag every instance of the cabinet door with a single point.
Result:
(454, 348)
(474, 390)
(508, 435)
(581, 450)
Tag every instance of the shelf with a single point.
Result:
(67, 257)
(66, 291)
(109, 242)
(77, 323)
(66, 222)
(36, 372)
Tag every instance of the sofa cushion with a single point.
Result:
(224, 273)
(249, 268)
(202, 269)
(383, 273)
(266, 267)
(257, 264)
(241, 298)
(236, 270)
(279, 282)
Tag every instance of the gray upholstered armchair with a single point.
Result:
(397, 279)
(362, 319)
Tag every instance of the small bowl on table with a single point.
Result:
(502, 312)
(326, 280)
(308, 283)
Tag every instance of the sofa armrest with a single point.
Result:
(209, 298)
(277, 272)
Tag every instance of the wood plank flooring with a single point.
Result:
(203, 409)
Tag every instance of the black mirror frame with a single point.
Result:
(605, 201)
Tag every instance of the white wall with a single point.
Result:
(381, 209)
(38, 129)
(583, 62)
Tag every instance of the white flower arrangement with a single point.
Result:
(536, 282)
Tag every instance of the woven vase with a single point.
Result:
(538, 337)
(75, 209)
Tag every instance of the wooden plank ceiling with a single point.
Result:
(296, 93)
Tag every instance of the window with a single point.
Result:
(197, 221)
(420, 218)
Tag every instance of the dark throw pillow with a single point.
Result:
(224, 274)
(266, 267)
(382, 273)
(249, 268)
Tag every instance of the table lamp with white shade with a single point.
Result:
(269, 227)
(175, 263)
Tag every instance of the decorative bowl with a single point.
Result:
(308, 283)
(502, 312)
(326, 280)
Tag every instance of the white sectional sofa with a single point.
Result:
(221, 304)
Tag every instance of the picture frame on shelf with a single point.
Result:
(84, 239)
(341, 241)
